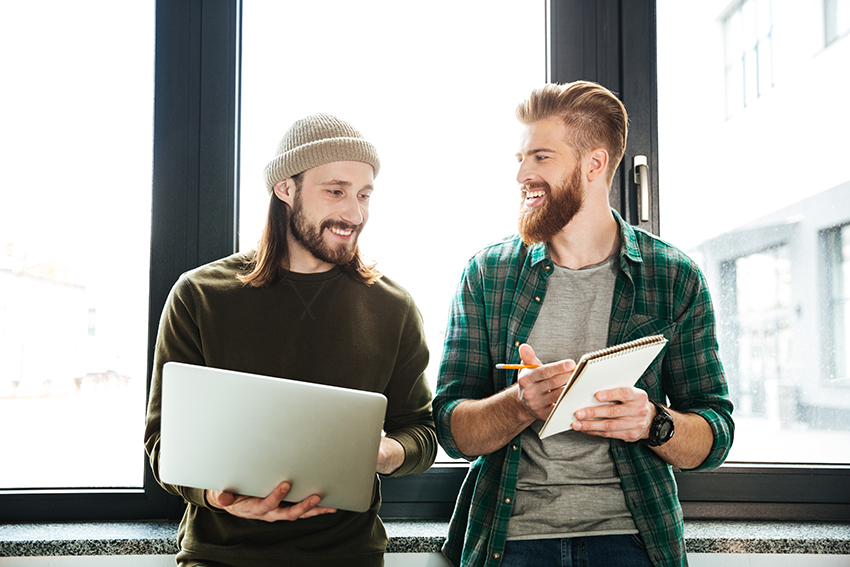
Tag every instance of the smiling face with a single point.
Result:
(550, 181)
(330, 207)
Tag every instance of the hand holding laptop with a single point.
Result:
(273, 509)
(269, 509)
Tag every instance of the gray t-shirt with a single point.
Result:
(568, 484)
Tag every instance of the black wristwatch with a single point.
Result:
(661, 428)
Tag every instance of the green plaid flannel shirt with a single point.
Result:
(659, 290)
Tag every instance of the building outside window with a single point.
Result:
(837, 19)
(836, 261)
(758, 359)
(748, 30)
(736, 197)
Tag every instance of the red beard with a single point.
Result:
(563, 202)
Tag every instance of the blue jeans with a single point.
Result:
(596, 551)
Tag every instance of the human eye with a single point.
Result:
(365, 196)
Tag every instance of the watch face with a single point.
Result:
(665, 430)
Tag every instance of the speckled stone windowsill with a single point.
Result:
(159, 538)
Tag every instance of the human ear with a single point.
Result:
(285, 190)
(597, 163)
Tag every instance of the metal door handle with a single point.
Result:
(642, 181)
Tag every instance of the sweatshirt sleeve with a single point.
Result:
(408, 419)
(178, 339)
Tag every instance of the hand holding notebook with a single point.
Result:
(617, 366)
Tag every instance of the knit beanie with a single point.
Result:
(317, 140)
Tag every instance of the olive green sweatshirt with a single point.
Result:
(325, 328)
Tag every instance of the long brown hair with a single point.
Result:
(270, 262)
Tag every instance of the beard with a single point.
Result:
(310, 236)
(563, 202)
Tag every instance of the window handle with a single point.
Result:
(642, 181)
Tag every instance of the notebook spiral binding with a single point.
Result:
(617, 350)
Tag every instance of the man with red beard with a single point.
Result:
(304, 305)
(576, 279)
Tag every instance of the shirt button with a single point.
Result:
(537, 298)
(514, 447)
(547, 268)
(508, 500)
(496, 556)
(516, 344)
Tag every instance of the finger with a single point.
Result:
(547, 377)
(621, 395)
(223, 499)
(300, 509)
(318, 511)
(526, 353)
(558, 372)
(278, 494)
(626, 430)
(617, 410)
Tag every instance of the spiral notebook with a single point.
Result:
(617, 366)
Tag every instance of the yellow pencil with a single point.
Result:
(516, 366)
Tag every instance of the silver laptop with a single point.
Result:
(246, 433)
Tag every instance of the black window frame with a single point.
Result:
(194, 221)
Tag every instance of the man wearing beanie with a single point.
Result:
(303, 305)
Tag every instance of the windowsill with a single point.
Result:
(160, 538)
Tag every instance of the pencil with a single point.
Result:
(516, 366)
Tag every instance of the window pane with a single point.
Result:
(765, 65)
(837, 14)
(734, 88)
(74, 241)
(837, 263)
(842, 19)
(764, 22)
(734, 195)
(734, 38)
(750, 78)
(748, 24)
(734, 56)
(434, 87)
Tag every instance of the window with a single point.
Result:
(836, 261)
(748, 30)
(194, 206)
(74, 242)
(762, 231)
(756, 363)
(837, 19)
(439, 112)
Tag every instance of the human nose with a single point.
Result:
(353, 211)
(523, 174)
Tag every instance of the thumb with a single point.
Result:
(225, 499)
(526, 353)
